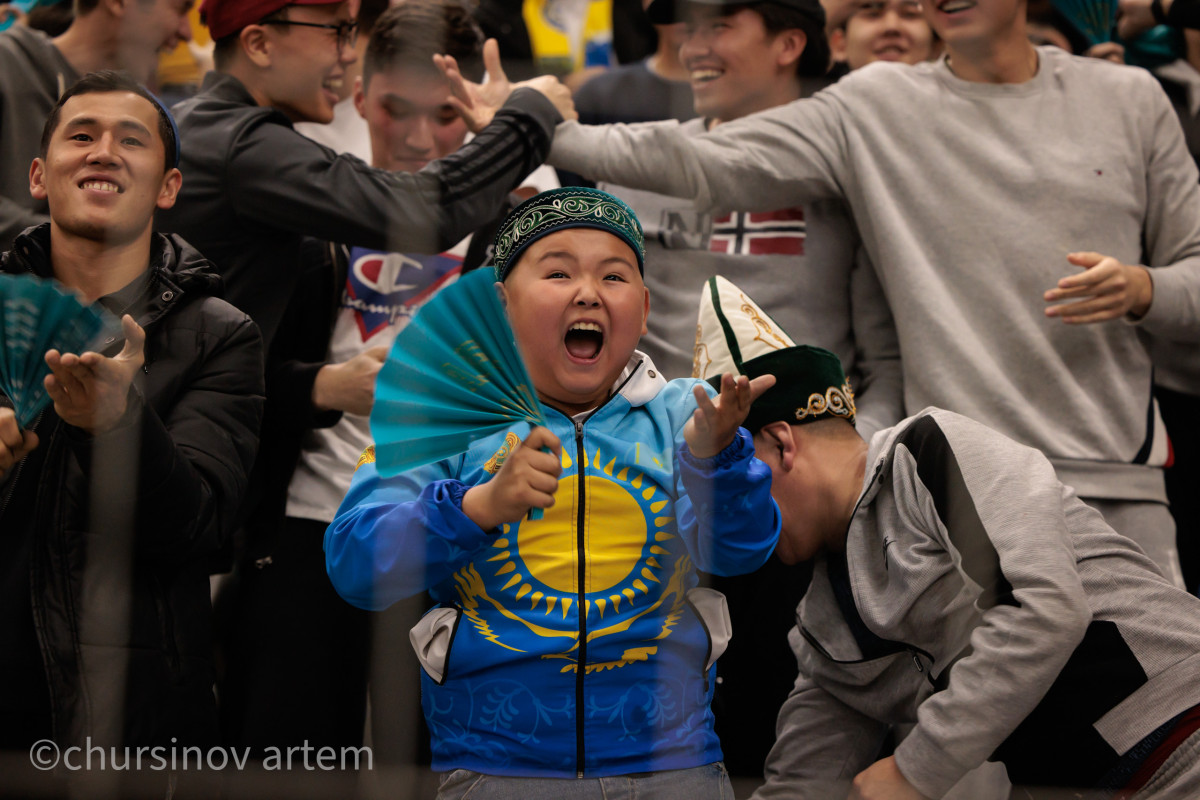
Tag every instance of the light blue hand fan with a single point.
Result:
(35, 316)
(1095, 19)
(454, 376)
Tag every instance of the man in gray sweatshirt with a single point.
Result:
(1016, 202)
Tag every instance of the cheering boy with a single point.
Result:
(577, 645)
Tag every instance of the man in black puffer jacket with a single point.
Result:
(111, 501)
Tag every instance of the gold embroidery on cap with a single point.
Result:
(838, 401)
(763, 327)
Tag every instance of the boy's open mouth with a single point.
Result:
(584, 340)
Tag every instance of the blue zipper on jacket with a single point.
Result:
(581, 555)
(581, 463)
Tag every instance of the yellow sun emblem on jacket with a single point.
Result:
(628, 566)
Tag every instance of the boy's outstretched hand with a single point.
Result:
(714, 423)
(527, 479)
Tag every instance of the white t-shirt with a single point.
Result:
(383, 291)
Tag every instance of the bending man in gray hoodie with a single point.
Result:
(958, 587)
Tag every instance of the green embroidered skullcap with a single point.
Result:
(559, 209)
(734, 335)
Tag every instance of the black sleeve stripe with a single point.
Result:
(938, 470)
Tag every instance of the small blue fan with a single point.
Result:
(1095, 19)
(453, 376)
(35, 316)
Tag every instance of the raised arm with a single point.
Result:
(725, 511)
(285, 180)
(777, 158)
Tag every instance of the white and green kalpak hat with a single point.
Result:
(734, 335)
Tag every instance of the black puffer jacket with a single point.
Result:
(124, 522)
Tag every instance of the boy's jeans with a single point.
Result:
(710, 782)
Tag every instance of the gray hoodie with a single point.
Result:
(980, 599)
(33, 75)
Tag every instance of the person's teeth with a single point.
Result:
(102, 186)
(586, 326)
(705, 74)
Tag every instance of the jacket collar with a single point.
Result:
(225, 87)
(641, 381)
(176, 268)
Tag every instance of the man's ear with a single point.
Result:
(117, 8)
(169, 191)
(360, 97)
(37, 179)
(837, 44)
(502, 293)
(790, 46)
(646, 312)
(256, 44)
(779, 435)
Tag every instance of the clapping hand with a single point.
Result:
(90, 391)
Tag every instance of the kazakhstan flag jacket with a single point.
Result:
(606, 580)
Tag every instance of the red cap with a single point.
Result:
(224, 17)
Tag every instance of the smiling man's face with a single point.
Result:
(104, 173)
(734, 61)
(883, 30)
(308, 64)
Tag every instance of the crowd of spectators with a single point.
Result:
(1012, 239)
